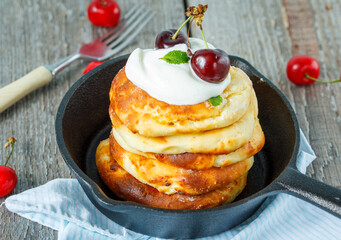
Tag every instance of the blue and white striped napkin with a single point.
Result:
(62, 205)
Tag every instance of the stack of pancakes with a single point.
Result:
(180, 156)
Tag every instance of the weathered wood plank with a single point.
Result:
(34, 33)
(301, 28)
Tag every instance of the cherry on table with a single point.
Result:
(299, 67)
(104, 13)
(91, 66)
(211, 65)
(8, 177)
(8, 180)
(305, 70)
(164, 39)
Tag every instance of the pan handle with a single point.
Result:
(311, 190)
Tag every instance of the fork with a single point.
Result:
(100, 49)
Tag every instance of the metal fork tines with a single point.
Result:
(112, 42)
(134, 23)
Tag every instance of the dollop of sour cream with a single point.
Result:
(174, 84)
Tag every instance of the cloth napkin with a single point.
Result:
(62, 205)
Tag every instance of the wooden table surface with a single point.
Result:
(267, 33)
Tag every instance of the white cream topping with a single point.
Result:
(174, 84)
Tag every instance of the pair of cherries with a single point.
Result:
(211, 65)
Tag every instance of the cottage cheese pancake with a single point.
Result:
(217, 141)
(200, 161)
(251, 148)
(127, 187)
(170, 179)
(197, 161)
(147, 116)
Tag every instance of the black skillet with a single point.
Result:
(82, 121)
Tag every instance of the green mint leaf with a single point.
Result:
(215, 101)
(176, 57)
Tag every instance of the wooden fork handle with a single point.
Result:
(18, 89)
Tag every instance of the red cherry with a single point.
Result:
(104, 13)
(91, 66)
(299, 66)
(211, 65)
(164, 39)
(8, 180)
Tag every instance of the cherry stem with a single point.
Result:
(177, 32)
(10, 154)
(321, 81)
(11, 142)
(203, 36)
(189, 53)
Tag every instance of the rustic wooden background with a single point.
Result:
(265, 32)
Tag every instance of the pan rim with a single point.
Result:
(107, 202)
